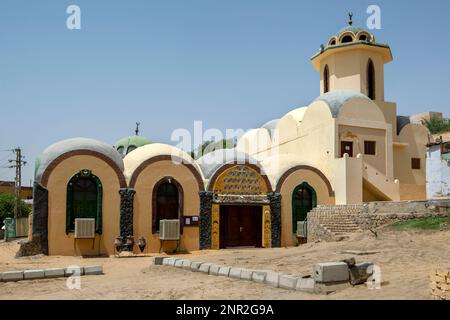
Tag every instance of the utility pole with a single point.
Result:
(18, 163)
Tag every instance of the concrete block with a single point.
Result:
(306, 285)
(54, 273)
(12, 276)
(93, 270)
(158, 261)
(69, 271)
(331, 272)
(168, 261)
(259, 276)
(360, 272)
(287, 281)
(195, 265)
(224, 271)
(329, 287)
(187, 264)
(179, 263)
(214, 269)
(172, 262)
(204, 267)
(235, 273)
(33, 274)
(272, 279)
(246, 274)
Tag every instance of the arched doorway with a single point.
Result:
(304, 199)
(167, 202)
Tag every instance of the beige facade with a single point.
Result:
(348, 146)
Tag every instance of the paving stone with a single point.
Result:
(272, 279)
(33, 274)
(235, 273)
(158, 261)
(204, 267)
(287, 281)
(246, 274)
(54, 273)
(12, 276)
(73, 270)
(214, 269)
(259, 276)
(224, 271)
(306, 285)
(93, 270)
(331, 272)
(187, 264)
(195, 265)
(179, 263)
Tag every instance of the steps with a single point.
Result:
(333, 222)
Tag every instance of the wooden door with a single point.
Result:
(347, 147)
(240, 226)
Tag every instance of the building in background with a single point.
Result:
(8, 187)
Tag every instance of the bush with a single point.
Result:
(7, 204)
(437, 125)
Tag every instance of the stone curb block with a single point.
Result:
(159, 261)
(235, 273)
(246, 274)
(306, 285)
(259, 276)
(195, 265)
(93, 270)
(54, 273)
(172, 262)
(167, 261)
(331, 272)
(187, 264)
(214, 269)
(224, 271)
(288, 281)
(272, 279)
(204, 267)
(72, 271)
(33, 274)
(12, 276)
(179, 263)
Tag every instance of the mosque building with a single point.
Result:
(348, 146)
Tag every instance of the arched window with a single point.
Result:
(333, 42)
(326, 79)
(131, 148)
(346, 39)
(363, 37)
(167, 202)
(84, 200)
(304, 199)
(370, 80)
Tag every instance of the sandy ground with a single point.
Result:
(405, 259)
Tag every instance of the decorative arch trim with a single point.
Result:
(152, 160)
(226, 166)
(309, 168)
(48, 171)
(170, 180)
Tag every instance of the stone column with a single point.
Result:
(126, 213)
(206, 198)
(275, 218)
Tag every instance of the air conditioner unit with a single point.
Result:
(169, 229)
(84, 228)
(302, 229)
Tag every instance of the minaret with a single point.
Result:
(353, 60)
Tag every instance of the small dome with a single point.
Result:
(351, 28)
(336, 99)
(125, 145)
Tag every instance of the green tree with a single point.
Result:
(7, 204)
(437, 125)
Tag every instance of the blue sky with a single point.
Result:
(229, 63)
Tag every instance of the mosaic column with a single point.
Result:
(126, 212)
(206, 198)
(40, 217)
(275, 217)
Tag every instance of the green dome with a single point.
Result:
(126, 145)
(351, 28)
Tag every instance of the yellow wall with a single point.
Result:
(143, 204)
(296, 178)
(58, 242)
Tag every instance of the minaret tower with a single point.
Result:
(353, 60)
